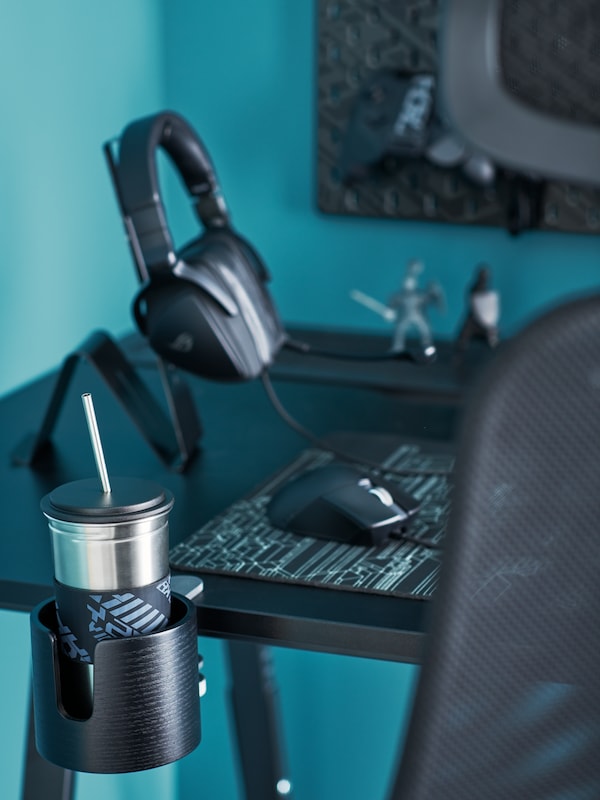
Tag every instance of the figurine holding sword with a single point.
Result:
(406, 308)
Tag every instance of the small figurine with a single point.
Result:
(407, 307)
(483, 312)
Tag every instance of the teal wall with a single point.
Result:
(69, 79)
(72, 74)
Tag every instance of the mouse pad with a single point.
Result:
(242, 542)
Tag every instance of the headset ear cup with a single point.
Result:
(253, 256)
(140, 308)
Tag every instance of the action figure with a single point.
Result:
(483, 312)
(406, 308)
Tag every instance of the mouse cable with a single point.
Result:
(426, 356)
(376, 466)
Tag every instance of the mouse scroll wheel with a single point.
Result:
(383, 495)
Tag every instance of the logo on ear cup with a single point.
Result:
(182, 343)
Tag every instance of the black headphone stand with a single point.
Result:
(173, 437)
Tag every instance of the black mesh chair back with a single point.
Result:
(508, 702)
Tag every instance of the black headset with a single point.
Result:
(206, 307)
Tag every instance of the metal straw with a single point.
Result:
(88, 407)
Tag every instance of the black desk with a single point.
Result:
(244, 442)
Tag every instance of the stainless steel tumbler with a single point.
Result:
(111, 561)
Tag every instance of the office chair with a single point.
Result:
(508, 701)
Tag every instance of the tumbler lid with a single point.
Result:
(130, 498)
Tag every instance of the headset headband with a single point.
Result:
(140, 190)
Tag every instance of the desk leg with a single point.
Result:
(41, 779)
(256, 713)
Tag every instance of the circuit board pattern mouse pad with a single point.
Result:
(242, 542)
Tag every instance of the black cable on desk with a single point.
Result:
(321, 445)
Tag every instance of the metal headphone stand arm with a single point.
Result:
(173, 439)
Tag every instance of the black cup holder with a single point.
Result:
(146, 708)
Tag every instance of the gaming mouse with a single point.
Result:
(341, 503)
